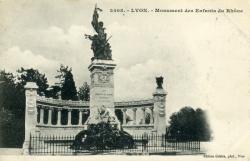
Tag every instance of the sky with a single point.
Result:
(203, 57)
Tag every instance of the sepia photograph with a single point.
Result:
(115, 79)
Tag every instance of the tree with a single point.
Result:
(68, 91)
(84, 92)
(6, 135)
(53, 91)
(67, 83)
(33, 75)
(7, 90)
(12, 109)
(11, 98)
(203, 131)
(189, 124)
(12, 103)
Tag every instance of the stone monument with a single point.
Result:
(102, 76)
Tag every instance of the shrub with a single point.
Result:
(102, 136)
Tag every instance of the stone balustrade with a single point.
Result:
(57, 105)
(80, 110)
(118, 105)
(42, 107)
(59, 102)
(136, 118)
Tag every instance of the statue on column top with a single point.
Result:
(100, 45)
(159, 82)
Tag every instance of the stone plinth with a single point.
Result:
(159, 111)
(101, 89)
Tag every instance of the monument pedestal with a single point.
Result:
(30, 114)
(102, 92)
(159, 111)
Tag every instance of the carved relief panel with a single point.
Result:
(31, 101)
(101, 78)
(162, 109)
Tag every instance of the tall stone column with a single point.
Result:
(30, 113)
(159, 97)
(152, 115)
(80, 117)
(101, 90)
(143, 115)
(134, 116)
(59, 115)
(50, 116)
(124, 116)
(41, 115)
(69, 116)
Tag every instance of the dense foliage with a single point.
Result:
(68, 87)
(32, 75)
(12, 105)
(12, 100)
(189, 124)
(53, 92)
(103, 136)
(84, 92)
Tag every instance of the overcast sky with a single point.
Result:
(204, 58)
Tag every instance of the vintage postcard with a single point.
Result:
(124, 79)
